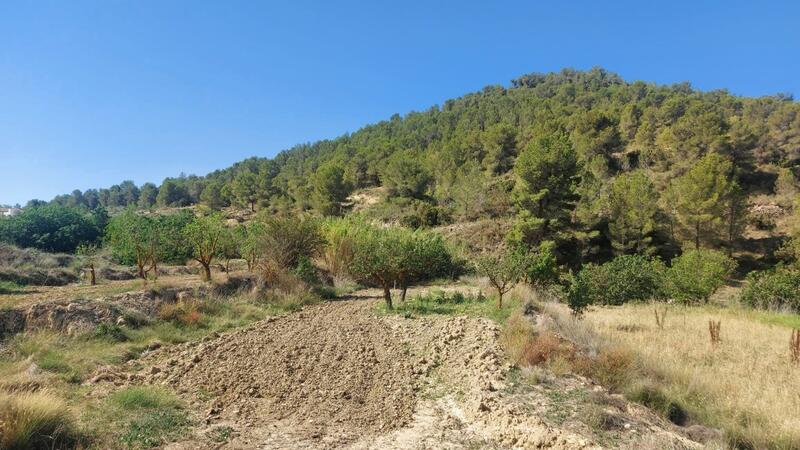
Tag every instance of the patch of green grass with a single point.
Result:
(9, 288)
(788, 320)
(155, 428)
(452, 303)
(139, 397)
(136, 417)
(563, 404)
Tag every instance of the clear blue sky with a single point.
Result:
(92, 93)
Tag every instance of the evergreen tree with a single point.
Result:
(245, 189)
(545, 191)
(632, 206)
(700, 199)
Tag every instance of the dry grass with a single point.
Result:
(527, 348)
(745, 383)
(35, 420)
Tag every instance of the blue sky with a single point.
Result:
(93, 93)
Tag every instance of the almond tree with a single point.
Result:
(503, 269)
(203, 235)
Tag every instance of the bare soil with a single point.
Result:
(339, 375)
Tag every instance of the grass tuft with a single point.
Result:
(32, 420)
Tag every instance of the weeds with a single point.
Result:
(714, 332)
(661, 316)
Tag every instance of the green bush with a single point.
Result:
(624, 279)
(773, 289)
(110, 332)
(306, 271)
(697, 274)
(53, 228)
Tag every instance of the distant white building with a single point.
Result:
(9, 212)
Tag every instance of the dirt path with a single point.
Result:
(337, 375)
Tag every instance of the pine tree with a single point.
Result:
(700, 199)
(632, 206)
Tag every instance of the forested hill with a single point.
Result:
(549, 150)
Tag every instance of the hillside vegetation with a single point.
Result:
(553, 219)
(586, 159)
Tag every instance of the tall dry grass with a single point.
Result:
(32, 420)
(745, 384)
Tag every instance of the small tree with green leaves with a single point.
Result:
(249, 238)
(204, 235)
(421, 256)
(245, 189)
(697, 274)
(503, 269)
(228, 247)
(132, 240)
(376, 258)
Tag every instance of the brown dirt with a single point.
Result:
(338, 375)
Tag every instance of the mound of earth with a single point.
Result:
(338, 375)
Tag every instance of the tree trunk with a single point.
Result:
(499, 299)
(206, 271)
(92, 278)
(140, 270)
(403, 293)
(253, 206)
(387, 295)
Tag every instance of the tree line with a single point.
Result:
(598, 165)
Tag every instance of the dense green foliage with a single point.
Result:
(147, 240)
(560, 140)
(388, 257)
(53, 228)
(627, 278)
(204, 235)
(696, 274)
(773, 289)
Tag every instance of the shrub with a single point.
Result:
(185, 313)
(306, 271)
(773, 289)
(35, 420)
(52, 228)
(624, 279)
(528, 348)
(697, 274)
(541, 266)
(110, 332)
(285, 240)
(9, 287)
